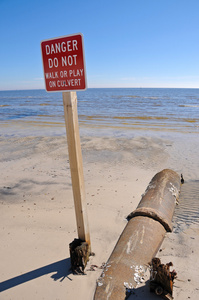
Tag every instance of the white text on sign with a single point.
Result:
(61, 47)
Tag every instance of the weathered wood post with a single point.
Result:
(77, 177)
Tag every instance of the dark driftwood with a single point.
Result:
(161, 280)
(79, 255)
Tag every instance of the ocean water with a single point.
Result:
(174, 110)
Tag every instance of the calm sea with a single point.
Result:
(118, 108)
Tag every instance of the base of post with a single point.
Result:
(79, 255)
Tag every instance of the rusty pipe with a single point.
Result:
(141, 238)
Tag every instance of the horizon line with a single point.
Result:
(30, 89)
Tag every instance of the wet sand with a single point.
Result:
(38, 219)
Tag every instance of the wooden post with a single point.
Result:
(76, 165)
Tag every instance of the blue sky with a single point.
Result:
(128, 43)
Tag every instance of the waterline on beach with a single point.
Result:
(146, 109)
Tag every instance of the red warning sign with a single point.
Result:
(64, 63)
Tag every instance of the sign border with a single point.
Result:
(83, 52)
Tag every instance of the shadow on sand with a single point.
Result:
(61, 269)
(142, 293)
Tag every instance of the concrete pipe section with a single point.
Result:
(141, 238)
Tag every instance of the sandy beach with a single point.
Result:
(38, 219)
(124, 77)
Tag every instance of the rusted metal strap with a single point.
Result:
(159, 199)
(152, 213)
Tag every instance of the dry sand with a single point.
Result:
(38, 219)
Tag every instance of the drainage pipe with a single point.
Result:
(141, 238)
